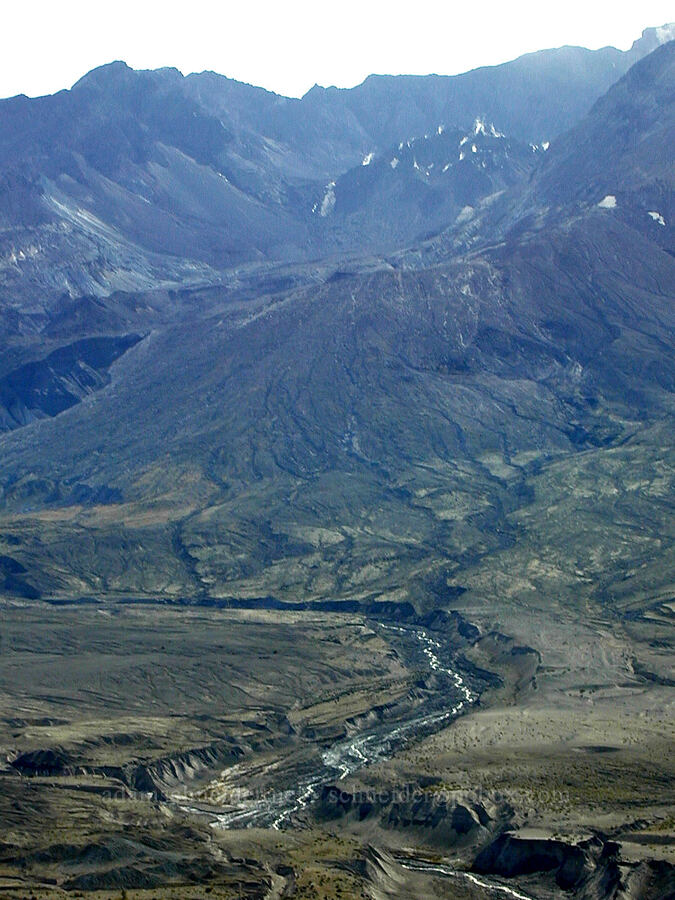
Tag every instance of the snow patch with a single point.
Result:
(657, 217)
(608, 202)
(479, 127)
(465, 215)
(328, 201)
(17, 256)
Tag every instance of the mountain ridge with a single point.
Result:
(134, 180)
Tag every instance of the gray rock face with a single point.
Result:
(47, 387)
(511, 855)
(592, 869)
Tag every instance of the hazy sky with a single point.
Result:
(288, 46)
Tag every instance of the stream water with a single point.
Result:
(446, 871)
(453, 696)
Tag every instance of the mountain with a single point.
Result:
(372, 424)
(125, 198)
(147, 180)
(533, 99)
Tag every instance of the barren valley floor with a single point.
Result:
(128, 729)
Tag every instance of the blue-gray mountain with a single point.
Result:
(327, 428)
(136, 180)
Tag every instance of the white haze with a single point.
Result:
(287, 47)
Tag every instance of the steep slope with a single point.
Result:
(634, 126)
(470, 440)
(125, 183)
(616, 164)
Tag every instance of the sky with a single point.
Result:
(289, 46)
